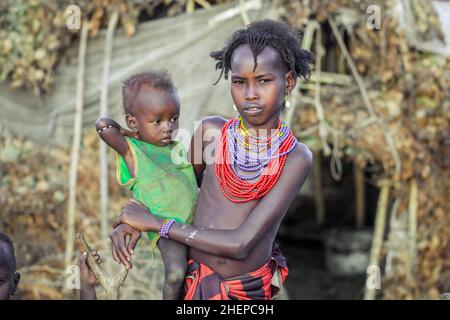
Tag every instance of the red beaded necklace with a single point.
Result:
(238, 190)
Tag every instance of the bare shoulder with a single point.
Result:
(300, 158)
(213, 122)
(212, 128)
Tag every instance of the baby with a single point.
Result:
(9, 278)
(154, 166)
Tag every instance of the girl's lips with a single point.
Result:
(253, 110)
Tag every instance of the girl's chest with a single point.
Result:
(214, 210)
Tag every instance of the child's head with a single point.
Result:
(151, 106)
(9, 278)
(265, 60)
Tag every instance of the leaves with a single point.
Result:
(34, 37)
(409, 91)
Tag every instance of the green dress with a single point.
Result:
(164, 181)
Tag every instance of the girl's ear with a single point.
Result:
(290, 81)
(131, 121)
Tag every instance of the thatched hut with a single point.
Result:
(375, 112)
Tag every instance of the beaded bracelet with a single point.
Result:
(164, 232)
(104, 128)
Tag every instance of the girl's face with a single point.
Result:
(259, 93)
(156, 114)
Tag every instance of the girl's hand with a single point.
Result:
(121, 250)
(138, 216)
(129, 133)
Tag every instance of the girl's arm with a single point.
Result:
(238, 243)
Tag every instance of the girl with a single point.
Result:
(258, 170)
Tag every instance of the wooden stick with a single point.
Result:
(318, 190)
(311, 28)
(111, 286)
(76, 145)
(378, 235)
(412, 230)
(103, 112)
(360, 193)
(332, 78)
(386, 132)
(205, 4)
(190, 6)
(243, 12)
(232, 12)
(320, 52)
(295, 94)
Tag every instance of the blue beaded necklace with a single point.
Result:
(251, 154)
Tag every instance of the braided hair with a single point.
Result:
(266, 33)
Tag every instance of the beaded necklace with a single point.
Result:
(242, 157)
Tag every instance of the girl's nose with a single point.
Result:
(251, 93)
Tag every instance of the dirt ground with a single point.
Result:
(308, 277)
(302, 240)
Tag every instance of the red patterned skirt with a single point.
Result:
(202, 283)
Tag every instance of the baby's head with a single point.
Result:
(152, 106)
(265, 60)
(9, 278)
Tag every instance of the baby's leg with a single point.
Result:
(174, 255)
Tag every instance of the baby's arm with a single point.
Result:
(113, 134)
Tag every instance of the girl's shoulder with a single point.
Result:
(213, 122)
(300, 157)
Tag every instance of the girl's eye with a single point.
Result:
(264, 80)
(238, 82)
(156, 121)
(175, 119)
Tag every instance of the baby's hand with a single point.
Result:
(87, 277)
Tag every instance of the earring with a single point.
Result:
(287, 103)
(234, 107)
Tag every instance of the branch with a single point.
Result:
(76, 145)
(313, 26)
(111, 286)
(378, 234)
(387, 134)
(104, 111)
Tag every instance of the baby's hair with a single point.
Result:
(10, 247)
(158, 79)
(266, 33)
